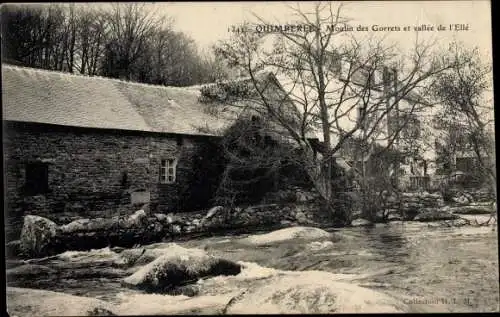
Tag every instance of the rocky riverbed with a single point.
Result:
(395, 267)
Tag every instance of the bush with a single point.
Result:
(209, 164)
(256, 164)
(241, 168)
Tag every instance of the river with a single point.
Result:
(434, 268)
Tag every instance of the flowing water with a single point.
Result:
(431, 267)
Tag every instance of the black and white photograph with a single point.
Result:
(209, 158)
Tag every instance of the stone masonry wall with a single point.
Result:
(86, 170)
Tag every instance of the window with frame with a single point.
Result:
(36, 178)
(168, 170)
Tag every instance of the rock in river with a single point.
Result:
(213, 211)
(310, 292)
(156, 304)
(137, 219)
(87, 225)
(32, 302)
(149, 253)
(360, 222)
(37, 235)
(435, 214)
(28, 271)
(317, 245)
(177, 267)
(265, 290)
(282, 235)
(473, 210)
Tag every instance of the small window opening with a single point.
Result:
(36, 178)
(168, 171)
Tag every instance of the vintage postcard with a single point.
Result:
(249, 158)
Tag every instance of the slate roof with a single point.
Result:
(41, 96)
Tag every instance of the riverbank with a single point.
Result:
(43, 237)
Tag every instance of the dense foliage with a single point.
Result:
(124, 40)
(209, 163)
(257, 163)
(226, 91)
(241, 168)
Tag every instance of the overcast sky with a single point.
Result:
(208, 22)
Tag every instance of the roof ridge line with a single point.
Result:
(50, 71)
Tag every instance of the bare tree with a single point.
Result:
(32, 35)
(130, 25)
(90, 35)
(341, 87)
(462, 92)
(179, 59)
(125, 41)
(214, 69)
(255, 163)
